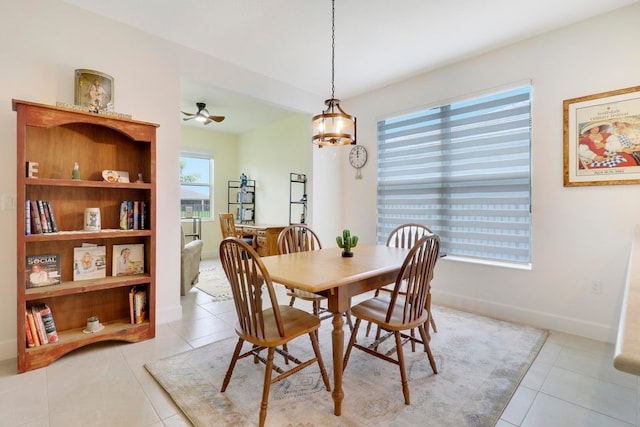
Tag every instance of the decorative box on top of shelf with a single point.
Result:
(55, 138)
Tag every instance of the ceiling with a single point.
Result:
(377, 42)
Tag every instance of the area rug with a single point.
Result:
(213, 281)
(480, 360)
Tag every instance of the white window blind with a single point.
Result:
(462, 170)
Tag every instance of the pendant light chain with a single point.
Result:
(333, 48)
(333, 126)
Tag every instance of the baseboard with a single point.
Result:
(8, 350)
(591, 330)
(168, 314)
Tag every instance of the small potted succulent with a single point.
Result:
(346, 242)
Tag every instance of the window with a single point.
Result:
(196, 187)
(464, 171)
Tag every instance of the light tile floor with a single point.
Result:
(571, 383)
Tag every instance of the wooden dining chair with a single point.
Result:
(405, 236)
(262, 322)
(302, 238)
(228, 229)
(402, 310)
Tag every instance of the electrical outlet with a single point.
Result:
(8, 202)
(596, 287)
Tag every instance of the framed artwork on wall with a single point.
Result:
(602, 138)
(93, 90)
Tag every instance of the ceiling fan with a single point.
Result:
(202, 115)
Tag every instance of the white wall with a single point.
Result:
(579, 234)
(42, 42)
(224, 148)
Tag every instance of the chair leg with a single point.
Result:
(427, 349)
(403, 371)
(316, 349)
(267, 386)
(352, 340)
(232, 365)
(433, 322)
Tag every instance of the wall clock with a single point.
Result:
(358, 158)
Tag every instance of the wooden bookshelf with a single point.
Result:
(55, 138)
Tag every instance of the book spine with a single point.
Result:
(43, 217)
(131, 305)
(130, 215)
(136, 215)
(27, 331)
(54, 225)
(124, 206)
(27, 218)
(34, 331)
(35, 217)
(37, 318)
(49, 325)
(140, 304)
(143, 214)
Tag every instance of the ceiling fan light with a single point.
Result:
(203, 116)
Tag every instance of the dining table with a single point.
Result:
(328, 273)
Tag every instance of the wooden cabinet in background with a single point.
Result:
(56, 138)
(266, 237)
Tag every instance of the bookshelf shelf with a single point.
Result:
(55, 138)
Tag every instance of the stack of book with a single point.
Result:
(39, 218)
(133, 215)
(40, 328)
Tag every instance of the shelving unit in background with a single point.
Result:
(297, 198)
(241, 201)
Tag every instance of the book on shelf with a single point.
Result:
(36, 226)
(42, 270)
(49, 325)
(128, 259)
(32, 328)
(37, 318)
(133, 215)
(27, 330)
(39, 217)
(27, 218)
(140, 306)
(137, 305)
(89, 262)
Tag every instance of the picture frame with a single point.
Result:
(127, 259)
(94, 90)
(602, 138)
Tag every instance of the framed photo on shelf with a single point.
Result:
(602, 138)
(93, 90)
(89, 262)
(128, 259)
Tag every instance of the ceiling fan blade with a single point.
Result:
(216, 118)
(188, 114)
(188, 118)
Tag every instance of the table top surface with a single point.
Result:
(323, 269)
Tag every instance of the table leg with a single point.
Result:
(337, 337)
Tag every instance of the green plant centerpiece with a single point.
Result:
(346, 242)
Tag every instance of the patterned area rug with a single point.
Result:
(480, 360)
(213, 281)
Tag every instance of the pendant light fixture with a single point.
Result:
(334, 126)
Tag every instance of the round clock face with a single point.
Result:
(358, 156)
